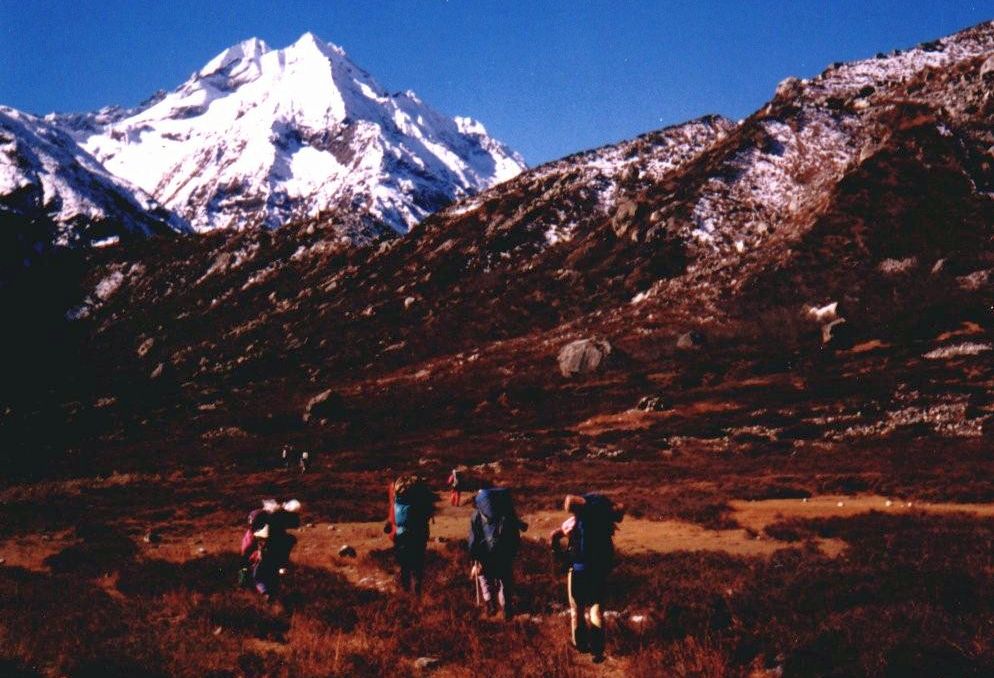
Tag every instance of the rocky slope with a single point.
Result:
(868, 187)
(265, 137)
(52, 193)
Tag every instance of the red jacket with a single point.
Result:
(250, 547)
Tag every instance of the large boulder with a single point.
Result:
(690, 340)
(583, 356)
(326, 405)
(627, 217)
(987, 68)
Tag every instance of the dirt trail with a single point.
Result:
(756, 515)
(320, 542)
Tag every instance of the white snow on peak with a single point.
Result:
(251, 49)
(270, 136)
(44, 174)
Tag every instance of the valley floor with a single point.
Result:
(784, 585)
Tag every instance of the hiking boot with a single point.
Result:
(597, 644)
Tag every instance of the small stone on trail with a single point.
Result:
(346, 551)
(309, 525)
(427, 663)
(152, 537)
(440, 540)
(217, 631)
(888, 503)
(2, 561)
(332, 528)
(201, 550)
(841, 504)
(804, 500)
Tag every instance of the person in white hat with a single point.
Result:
(266, 545)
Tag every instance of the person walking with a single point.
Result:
(494, 538)
(305, 461)
(455, 485)
(266, 545)
(412, 506)
(589, 555)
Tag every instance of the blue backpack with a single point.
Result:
(499, 527)
(591, 545)
(412, 509)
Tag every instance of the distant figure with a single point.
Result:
(285, 456)
(412, 505)
(494, 538)
(455, 484)
(304, 461)
(266, 546)
(590, 557)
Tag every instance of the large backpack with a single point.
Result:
(412, 506)
(499, 523)
(590, 542)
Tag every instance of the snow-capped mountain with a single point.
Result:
(45, 177)
(263, 136)
(867, 190)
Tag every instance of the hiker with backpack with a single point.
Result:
(266, 546)
(455, 483)
(589, 557)
(494, 538)
(412, 505)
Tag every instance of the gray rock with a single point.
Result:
(690, 340)
(652, 404)
(325, 405)
(625, 217)
(145, 347)
(830, 331)
(427, 663)
(582, 356)
(347, 552)
(987, 68)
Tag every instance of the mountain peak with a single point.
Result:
(263, 136)
(311, 41)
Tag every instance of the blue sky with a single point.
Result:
(548, 78)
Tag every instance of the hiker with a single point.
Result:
(285, 457)
(412, 505)
(455, 483)
(494, 537)
(266, 545)
(589, 556)
(305, 459)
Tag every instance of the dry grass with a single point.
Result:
(912, 590)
